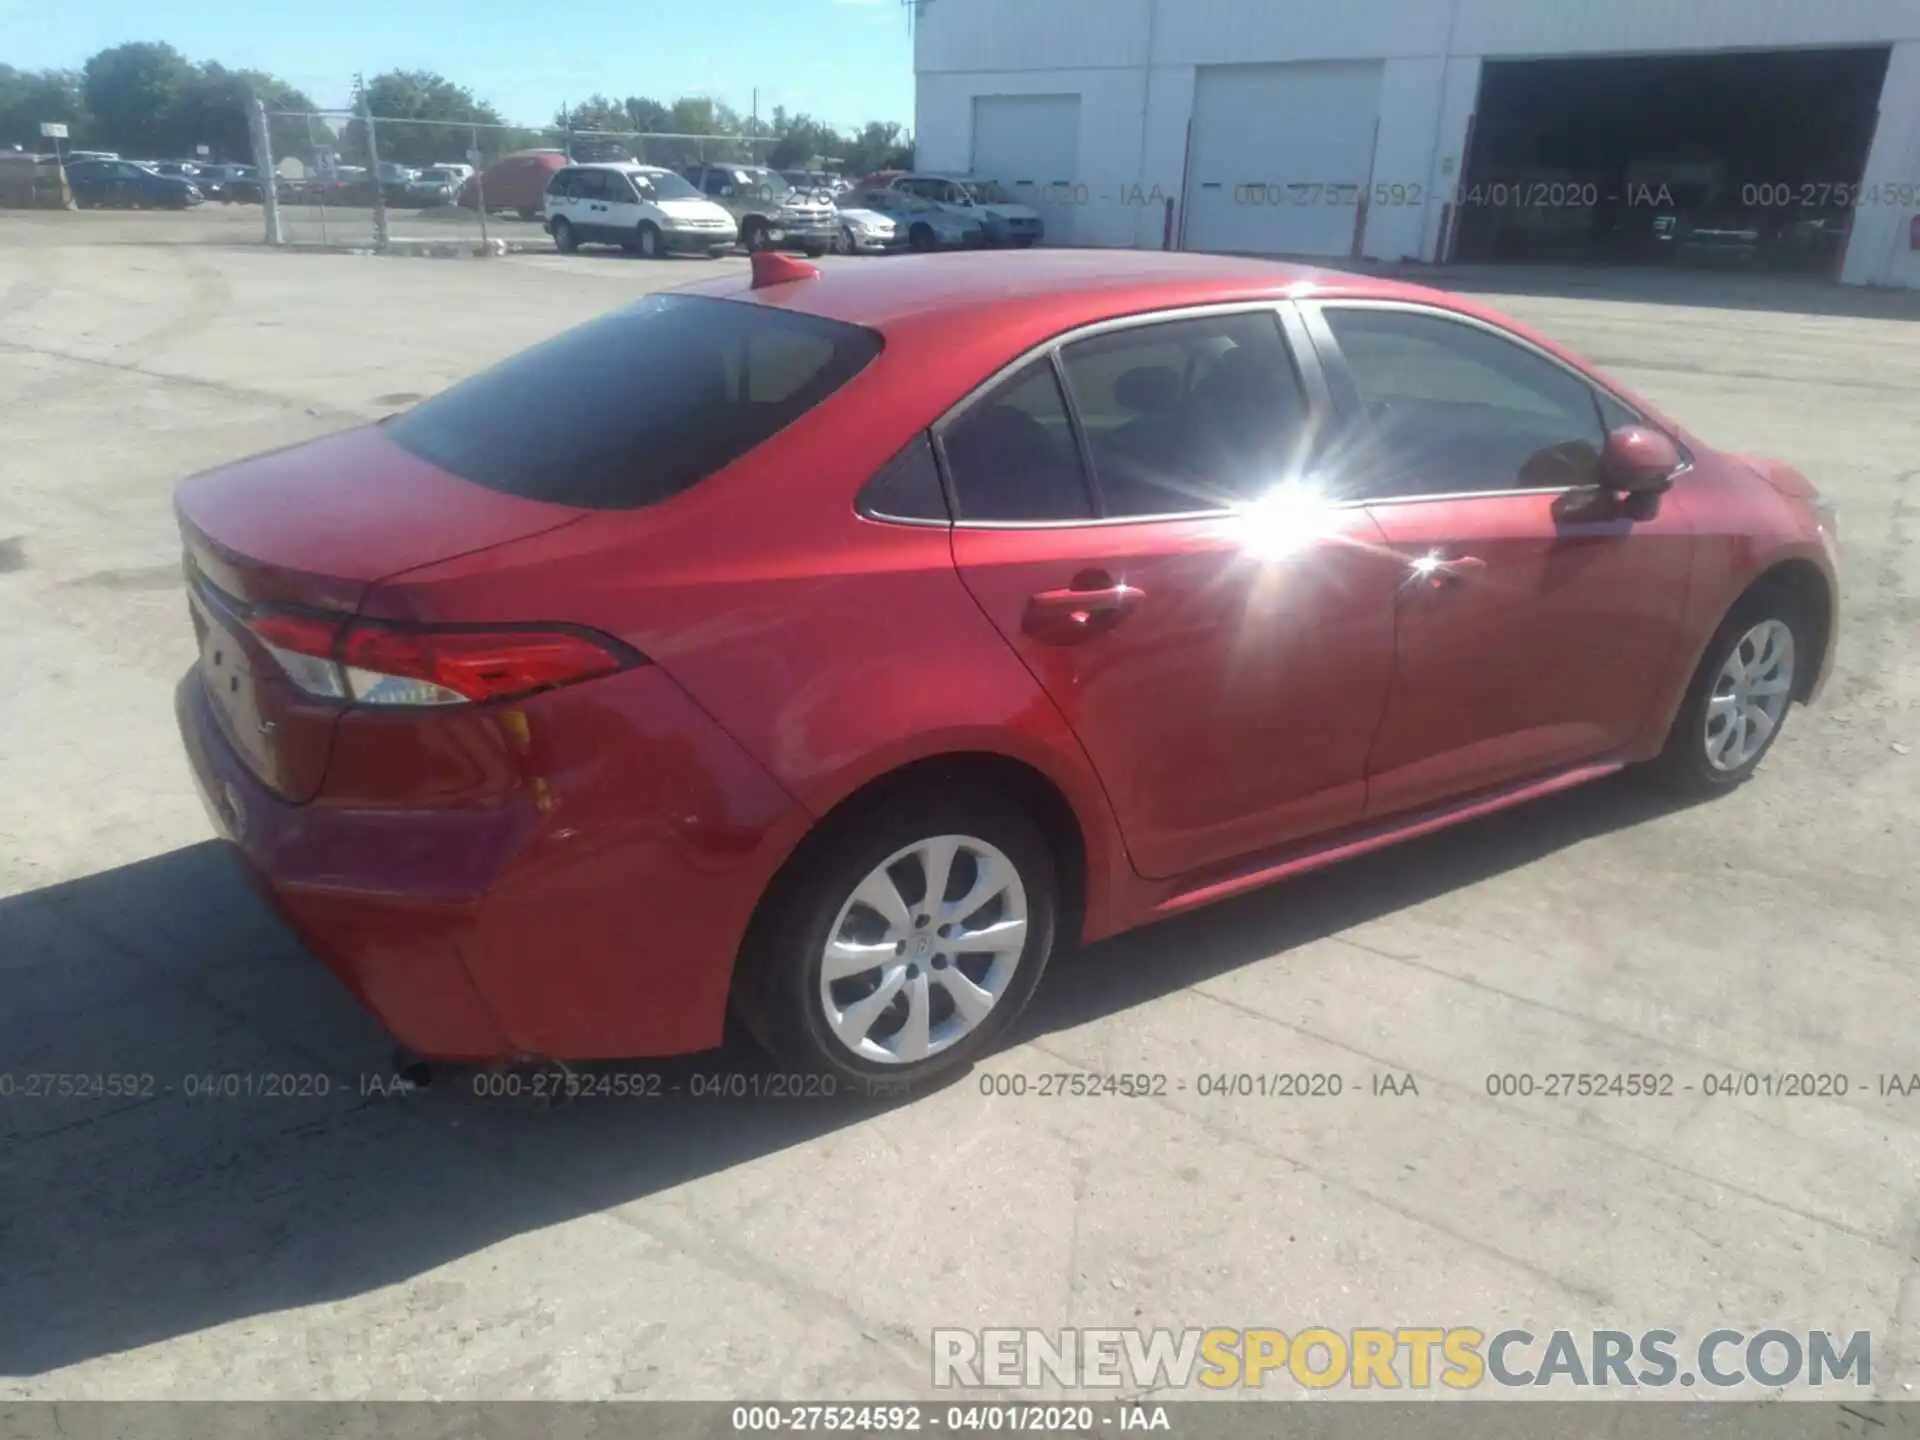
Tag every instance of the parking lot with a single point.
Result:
(439, 1244)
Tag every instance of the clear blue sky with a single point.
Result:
(842, 61)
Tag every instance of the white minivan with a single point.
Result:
(640, 207)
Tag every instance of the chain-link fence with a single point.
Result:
(344, 179)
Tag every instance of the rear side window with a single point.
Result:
(638, 405)
(1012, 454)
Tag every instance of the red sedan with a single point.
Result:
(828, 643)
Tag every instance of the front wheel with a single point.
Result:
(563, 237)
(921, 239)
(843, 242)
(646, 240)
(906, 943)
(1738, 698)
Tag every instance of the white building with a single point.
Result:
(1437, 129)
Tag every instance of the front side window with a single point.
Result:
(1451, 408)
(638, 405)
(1011, 455)
(1189, 415)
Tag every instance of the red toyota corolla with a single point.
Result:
(827, 643)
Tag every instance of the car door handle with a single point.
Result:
(1064, 617)
(1433, 571)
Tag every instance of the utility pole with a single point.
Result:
(263, 166)
(373, 166)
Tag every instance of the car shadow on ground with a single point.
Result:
(196, 1198)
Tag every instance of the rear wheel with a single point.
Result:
(563, 237)
(1738, 699)
(528, 212)
(906, 943)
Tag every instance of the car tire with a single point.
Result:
(719, 252)
(528, 212)
(886, 851)
(563, 237)
(1025, 242)
(1747, 681)
(814, 252)
(753, 236)
(843, 242)
(646, 241)
(922, 240)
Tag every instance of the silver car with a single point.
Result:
(865, 231)
(928, 226)
(772, 215)
(1005, 220)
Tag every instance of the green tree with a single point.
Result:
(801, 140)
(28, 97)
(132, 92)
(211, 107)
(432, 119)
(879, 145)
(646, 116)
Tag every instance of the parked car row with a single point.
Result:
(712, 207)
(129, 185)
(400, 186)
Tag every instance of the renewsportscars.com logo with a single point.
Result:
(1408, 1357)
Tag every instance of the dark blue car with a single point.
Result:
(97, 183)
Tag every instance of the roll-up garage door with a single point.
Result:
(1280, 155)
(1031, 145)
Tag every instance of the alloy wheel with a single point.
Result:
(923, 950)
(1750, 695)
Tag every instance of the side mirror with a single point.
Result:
(1639, 461)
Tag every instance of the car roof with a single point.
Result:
(1076, 286)
(979, 309)
(631, 167)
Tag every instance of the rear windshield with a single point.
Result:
(637, 405)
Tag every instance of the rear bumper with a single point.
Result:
(594, 912)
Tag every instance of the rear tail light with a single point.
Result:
(372, 663)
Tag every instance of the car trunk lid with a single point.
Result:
(311, 528)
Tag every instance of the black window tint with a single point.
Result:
(618, 186)
(1612, 413)
(637, 405)
(1011, 454)
(907, 487)
(561, 185)
(1189, 415)
(1451, 408)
